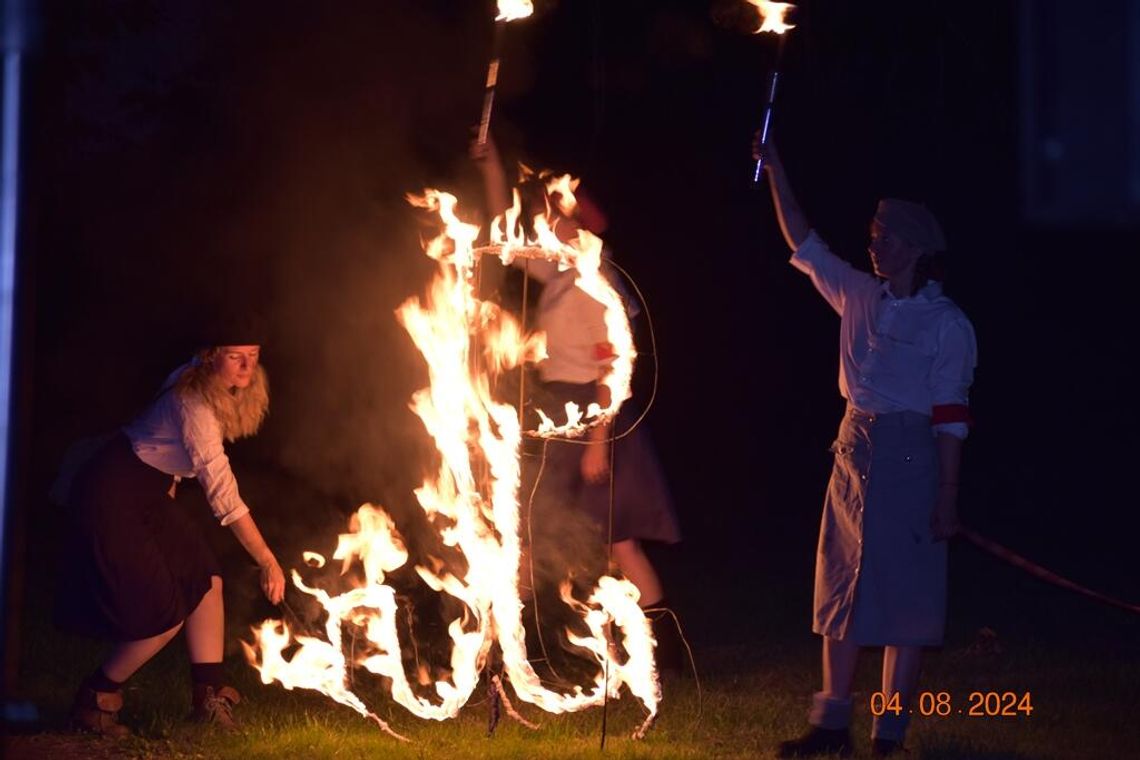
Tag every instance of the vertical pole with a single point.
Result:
(9, 183)
(15, 18)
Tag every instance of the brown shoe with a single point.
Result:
(98, 712)
(215, 705)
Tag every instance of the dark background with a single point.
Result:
(185, 156)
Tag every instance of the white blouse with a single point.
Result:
(181, 437)
(574, 324)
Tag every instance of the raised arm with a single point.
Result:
(499, 199)
(833, 277)
(495, 185)
(793, 223)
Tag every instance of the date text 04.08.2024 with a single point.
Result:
(979, 704)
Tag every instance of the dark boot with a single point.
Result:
(818, 741)
(215, 705)
(98, 712)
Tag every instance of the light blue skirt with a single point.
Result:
(880, 577)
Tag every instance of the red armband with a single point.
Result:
(944, 413)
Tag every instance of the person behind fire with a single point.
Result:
(578, 357)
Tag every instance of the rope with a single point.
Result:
(656, 368)
(609, 559)
(1037, 571)
(611, 439)
(530, 565)
(692, 660)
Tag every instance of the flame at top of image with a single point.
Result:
(513, 10)
(772, 16)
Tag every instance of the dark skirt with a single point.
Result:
(134, 563)
(641, 508)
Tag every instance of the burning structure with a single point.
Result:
(472, 501)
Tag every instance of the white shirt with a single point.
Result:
(181, 436)
(574, 324)
(895, 354)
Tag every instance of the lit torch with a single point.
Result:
(509, 10)
(772, 20)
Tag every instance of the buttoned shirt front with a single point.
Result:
(895, 354)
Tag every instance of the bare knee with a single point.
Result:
(628, 550)
(170, 633)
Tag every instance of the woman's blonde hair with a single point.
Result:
(240, 411)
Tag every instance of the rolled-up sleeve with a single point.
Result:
(832, 276)
(202, 437)
(952, 374)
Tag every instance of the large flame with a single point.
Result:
(472, 500)
(584, 254)
(512, 10)
(772, 16)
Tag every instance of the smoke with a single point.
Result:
(205, 159)
(201, 160)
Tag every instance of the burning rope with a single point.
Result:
(496, 250)
(1037, 571)
(614, 436)
(476, 511)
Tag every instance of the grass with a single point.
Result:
(757, 663)
(751, 696)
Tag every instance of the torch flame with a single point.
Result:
(513, 10)
(472, 500)
(772, 16)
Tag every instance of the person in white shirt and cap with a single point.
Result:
(640, 507)
(907, 359)
(136, 569)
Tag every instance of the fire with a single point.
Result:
(472, 500)
(512, 10)
(772, 16)
(586, 255)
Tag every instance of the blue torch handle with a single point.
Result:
(772, 82)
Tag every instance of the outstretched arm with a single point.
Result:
(793, 223)
(202, 438)
(272, 579)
